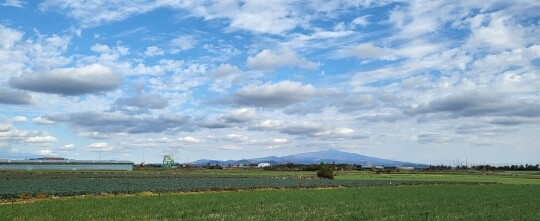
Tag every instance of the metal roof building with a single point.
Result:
(65, 164)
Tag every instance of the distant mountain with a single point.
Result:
(327, 156)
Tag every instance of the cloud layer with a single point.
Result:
(420, 81)
(70, 81)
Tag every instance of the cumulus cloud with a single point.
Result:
(68, 147)
(100, 147)
(70, 81)
(13, 3)
(182, 43)
(475, 103)
(15, 97)
(94, 13)
(224, 70)
(268, 124)
(303, 128)
(274, 17)
(241, 115)
(43, 121)
(12, 135)
(280, 140)
(120, 123)
(153, 51)
(231, 119)
(139, 103)
(188, 139)
(268, 60)
(509, 35)
(41, 139)
(45, 152)
(429, 138)
(361, 21)
(93, 135)
(230, 147)
(364, 51)
(276, 95)
(309, 129)
(236, 138)
(20, 119)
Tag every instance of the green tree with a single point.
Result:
(325, 171)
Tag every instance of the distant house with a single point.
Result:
(406, 168)
(263, 165)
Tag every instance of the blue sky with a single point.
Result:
(420, 81)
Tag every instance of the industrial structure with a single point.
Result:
(65, 164)
(168, 161)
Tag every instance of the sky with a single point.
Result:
(432, 82)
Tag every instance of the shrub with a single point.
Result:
(26, 196)
(325, 172)
(41, 195)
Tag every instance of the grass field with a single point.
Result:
(503, 178)
(516, 197)
(440, 202)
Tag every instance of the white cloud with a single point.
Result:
(280, 141)
(236, 137)
(41, 139)
(45, 152)
(153, 51)
(4, 127)
(14, 3)
(230, 147)
(268, 60)
(241, 115)
(224, 70)
(12, 135)
(68, 147)
(361, 21)
(20, 119)
(100, 147)
(344, 131)
(9, 37)
(500, 33)
(182, 43)
(303, 128)
(43, 121)
(70, 81)
(270, 17)
(272, 147)
(93, 135)
(269, 124)
(94, 13)
(280, 94)
(189, 139)
(364, 51)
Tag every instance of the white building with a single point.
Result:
(263, 165)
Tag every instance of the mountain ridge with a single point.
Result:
(326, 156)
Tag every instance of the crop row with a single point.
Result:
(12, 188)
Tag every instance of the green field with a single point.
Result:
(270, 195)
(503, 178)
(101, 184)
(441, 202)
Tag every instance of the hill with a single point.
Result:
(327, 156)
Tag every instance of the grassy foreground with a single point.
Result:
(440, 202)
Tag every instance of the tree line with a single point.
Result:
(486, 167)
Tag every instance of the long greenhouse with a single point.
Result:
(65, 164)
